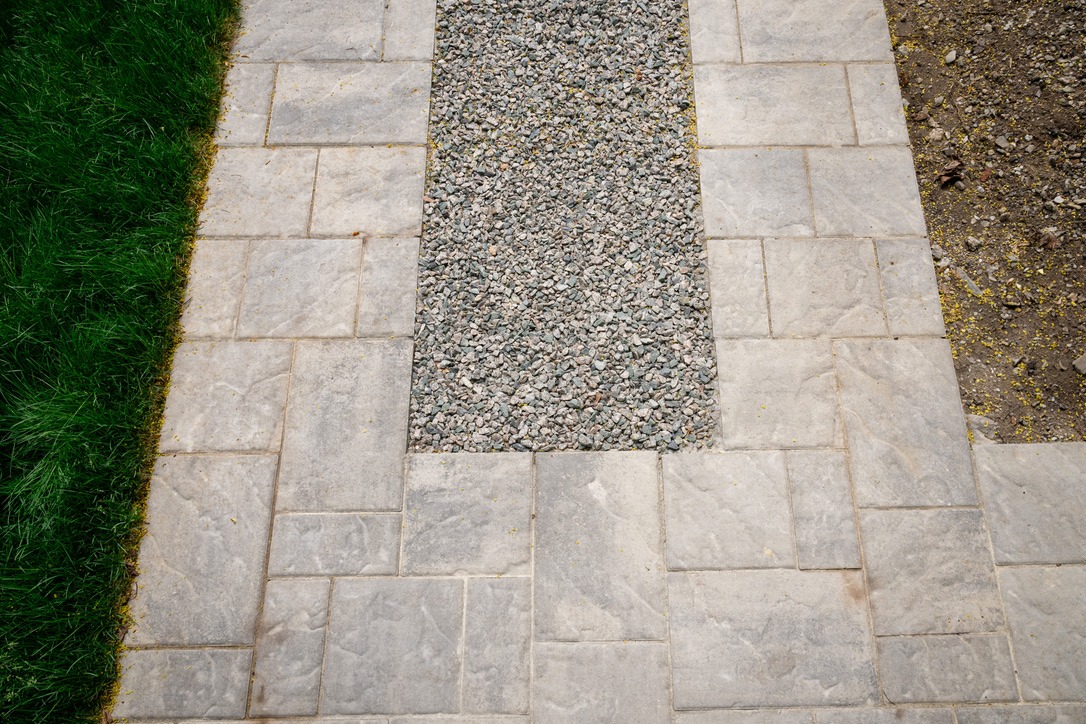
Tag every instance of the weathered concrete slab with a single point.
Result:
(909, 287)
(373, 191)
(1026, 714)
(409, 30)
(259, 192)
(754, 192)
(973, 667)
(746, 716)
(876, 104)
(727, 510)
(386, 306)
(714, 31)
(497, 644)
(886, 715)
(310, 30)
(1034, 498)
(770, 638)
(346, 428)
(593, 682)
(202, 557)
(335, 544)
(929, 571)
(201, 683)
(737, 284)
(789, 30)
(865, 192)
(246, 101)
(822, 509)
(216, 276)
(599, 570)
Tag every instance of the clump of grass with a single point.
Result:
(106, 111)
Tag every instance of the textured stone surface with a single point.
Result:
(394, 646)
(904, 421)
(496, 645)
(714, 31)
(929, 571)
(300, 288)
(594, 682)
(259, 192)
(909, 287)
(785, 30)
(886, 715)
(160, 683)
(1047, 619)
(770, 638)
(746, 716)
(335, 544)
(386, 305)
(311, 30)
(972, 667)
(822, 508)
(876, 104)
(727, 510)
(355, 103)
(823, 287)
(737, 285)
(290, 649)
(203, 554)
(865, 192)
(409, 30)
(226, 396)
(1035, 714)
(216, 275)
(468, 513)
(346, 427)
(754, 192)
(374, 191)
(598, 564)
(245, 102)
(755, 105)
(1034, 498)
(777, 393)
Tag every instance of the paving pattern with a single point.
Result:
(843, 554)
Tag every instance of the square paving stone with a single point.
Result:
(202, 683)
(777, 393)
(755, 192)
(824, 287)
(929, 571)
(745, 716)
(886, 715)
(498, 632)
(468, 513)
(788, 105)
(787, 30)
(1046, 613)
(594, 682)
(714, 31)
(770, 638)
(737, 288)
(974, 667)
(876, 103)
(906, 430)
(409, 30)
(335, 544)
(909, 287)
(1027, 714)
(311, 30)
(374, 191)
(346, 429)
(259, 192)
(727, 510)
(867, 191)
(386, 306)
(1034, 498)
(822, 507)
(394, 646)
(203, 555)
(303, 288)
(213, 292)
(350, 103)
(599, 570)
(290, 649)
(226, 395)
(245, 104)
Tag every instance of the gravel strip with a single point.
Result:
(563, 299)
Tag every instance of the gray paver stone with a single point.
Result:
(770, 638)
(876, 103)
(727, 510)
(594, 682)
(868, 191)
(346, 429)
(599, 570)
(216, 276)
(226, 395)
(311, 30)
(714, 31)
(886, 715)
(909, 287)
(335, 544)
(737, 284)
(373, 191)
(1028, 714)
(496, 645)
(259, 192)
(409, 30)
(929, 571)
(754, 192)
(788, 30)
(973, 667)
(388, 286)
(822, 507)
(468, 513)
(290, 649)
(745, 716)
(394, 646)
(245, 104)
(159, 683)
(203, 555)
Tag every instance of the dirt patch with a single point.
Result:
(996, 94)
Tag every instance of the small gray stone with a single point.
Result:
(1080, 365)
(496, 645)
(909, 287)
(409, 30)
(865, 192)
(973, 667)
(822, 507)
(833, 30)
(1036, 714)
(714, 31)
(335, 544)
(737, 283)
(982, 430)
(259, 192)
(311, 30)
(387, 290)
(216, 276)
(876, 103)
(245, 103)
(372, 191)
(160, 683)
(755, 192)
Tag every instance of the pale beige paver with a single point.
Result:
(909, 288)
(737, 280)
(387, 289)
(310, 30)
(876, 104)
(714, 31)
(969, 667)
(819, 30)
(372, 191)
(868, 191)
(163, 683)
(335, 544)
(746, 716)
(1026, 714)
(886, 715)
(216, 276)
(825, 529)
(755, 192)
(259, 192)
(409, 30)
(497, 645)
(245, 104)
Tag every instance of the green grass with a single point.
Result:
(106, 109)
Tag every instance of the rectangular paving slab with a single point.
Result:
(497, 638)
(970, 667)
(333, 544)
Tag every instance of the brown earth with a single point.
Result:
(997, 117)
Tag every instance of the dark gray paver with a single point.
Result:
(199, 683)
(822, 509)
(334, 544)
(497, 645)
(970, 667)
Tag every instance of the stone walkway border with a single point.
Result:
(843, 556)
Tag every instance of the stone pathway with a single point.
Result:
(842, 555)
